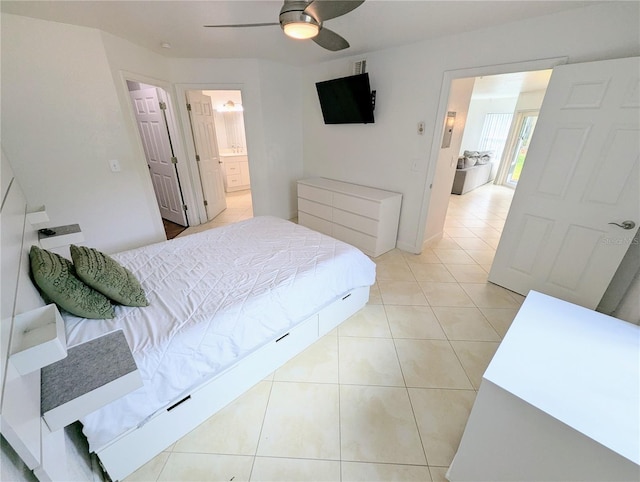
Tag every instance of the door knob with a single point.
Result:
(626, 225)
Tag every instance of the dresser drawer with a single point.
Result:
(314, 194)
(357, 205)
(354, 221)
(350, 303)
(310, 207)
(360, 240)
(317, 224)
(362, 216)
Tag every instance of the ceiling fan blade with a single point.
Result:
(323, 10)
(244, 25)
(330, 40)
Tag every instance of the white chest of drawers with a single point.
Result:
(359, 215)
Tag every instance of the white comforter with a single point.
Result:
(215, 297)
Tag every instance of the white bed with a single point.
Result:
(227, 307)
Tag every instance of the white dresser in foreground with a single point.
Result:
(362, 216)
(559, 401)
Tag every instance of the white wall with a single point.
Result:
(459, 97)
(283, 154)
(61, 123)
(271, 98)
(66, 111)
(530, 100)
(408, 81)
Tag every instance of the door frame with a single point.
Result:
(448, 77)
(181, 93)
(183, 168)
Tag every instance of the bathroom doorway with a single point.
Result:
(232, 141)
(218, 130)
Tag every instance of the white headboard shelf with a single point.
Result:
(38, 339)
(20, 420)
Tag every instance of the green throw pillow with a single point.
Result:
(57, 280)
(107, 276)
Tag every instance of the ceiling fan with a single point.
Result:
(304, 20)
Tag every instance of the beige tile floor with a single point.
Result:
(386, 395)
(239, 207)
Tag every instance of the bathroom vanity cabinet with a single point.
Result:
(236, 172)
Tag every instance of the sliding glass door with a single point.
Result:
(526, 123)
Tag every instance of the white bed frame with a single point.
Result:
(137, 446)
(43, 451)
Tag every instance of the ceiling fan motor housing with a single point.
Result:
(293, 12)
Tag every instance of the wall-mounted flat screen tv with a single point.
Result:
(347, 100)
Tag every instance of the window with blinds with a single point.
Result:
(495, 132)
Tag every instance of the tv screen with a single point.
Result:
(347, 100)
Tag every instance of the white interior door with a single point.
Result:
(157, 149)
(209, 165)
(581, 175)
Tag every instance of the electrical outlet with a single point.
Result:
(114, 165)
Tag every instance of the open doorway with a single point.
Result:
(499, 124)
(232, 140)
(153, 116)
(217, 126)
(501, 120)
(553, 241)
(488, 101)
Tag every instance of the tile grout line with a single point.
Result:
(264, 417)
(413, 412)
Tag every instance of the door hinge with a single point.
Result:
(189, 107)
(184, 207)
(206, 203)
(197, 158)
(163, 106)
(174, 160)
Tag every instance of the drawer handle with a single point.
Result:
(283, 336)
(188, 397)
(346, 297)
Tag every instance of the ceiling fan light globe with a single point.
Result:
(301, 30)
(299, 25)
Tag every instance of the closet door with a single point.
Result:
(157, 149)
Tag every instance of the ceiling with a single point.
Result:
(375, 25)
(510, 85)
